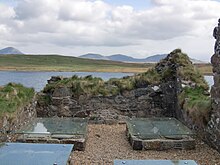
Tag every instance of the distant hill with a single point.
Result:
(155, 58)
(94, 56)
(10, 50)
(125, 58)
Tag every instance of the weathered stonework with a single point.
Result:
(9, 124)
(142, 102)
(213, 128)
(147, 100)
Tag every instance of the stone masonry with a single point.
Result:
(152, 101)
(213, 128)
(9, 124)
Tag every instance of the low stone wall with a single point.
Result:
(152, 101)
(198, 127)
(12, 122)
(186, 143)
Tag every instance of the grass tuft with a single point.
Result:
(14, 96)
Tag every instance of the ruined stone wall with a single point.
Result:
(12, 122)
(152, 101)
(213, 128)
(143, 101)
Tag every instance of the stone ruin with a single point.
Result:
(148, 100)
(213, 129)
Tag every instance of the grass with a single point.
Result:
(197, 104)
(14, 96)
(84, 86)
(94, 86)
(65, 63)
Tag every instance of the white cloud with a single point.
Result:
(83, 11)
(6, 12)
(96, 26)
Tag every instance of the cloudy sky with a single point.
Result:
(138, 28)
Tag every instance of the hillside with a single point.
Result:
(10, 50)
(66, 63)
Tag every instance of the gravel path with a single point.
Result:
(108, 142)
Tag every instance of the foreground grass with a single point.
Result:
(64, 63)
(14, 96)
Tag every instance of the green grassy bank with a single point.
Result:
(65, 63)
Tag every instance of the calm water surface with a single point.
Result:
(38, 80)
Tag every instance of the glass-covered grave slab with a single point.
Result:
(154, 162)
(34, 154)
(55, 130)
(159, 133)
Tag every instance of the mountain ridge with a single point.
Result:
(10, 50)
(125, 58)
(115, 57)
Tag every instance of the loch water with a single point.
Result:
(38, 80)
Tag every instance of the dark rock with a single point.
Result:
(54, 79)
(62, 92)
(216, 80)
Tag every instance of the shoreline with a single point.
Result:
(140, 70)
(124, 70)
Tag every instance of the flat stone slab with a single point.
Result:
(154, 162)
(159, 134)
(55, 130)
(39, 154)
